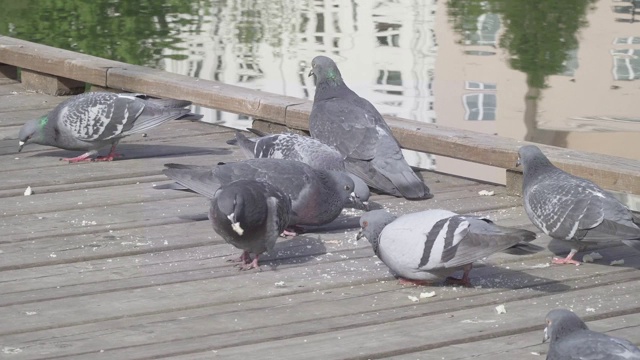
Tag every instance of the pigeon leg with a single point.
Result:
(244, 258)
(292, 231)
(464, 281)
(567, 260)
(251, 265)
(413, 282)
(112, 154)
(81, 158)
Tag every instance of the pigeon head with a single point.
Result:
(326, 71)
(361, 190)
(531, 158)
(32, 131)
(230, 201)
(560, 323)
(344, 185)
(372, 223)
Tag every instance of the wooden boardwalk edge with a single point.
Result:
(610, 172)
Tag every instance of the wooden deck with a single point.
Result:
(96, 264)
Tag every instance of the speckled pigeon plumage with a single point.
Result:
(426, 246)
(300, 148)
(250, 215)
(570, 339)
(567, 207)
(317, 196)
(351, 124)
(93, 120)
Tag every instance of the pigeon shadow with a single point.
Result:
(143, 151)
(489, 276)
(296, 250)
(341, 224)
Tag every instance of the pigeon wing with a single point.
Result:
(562, 208)
(347, 127)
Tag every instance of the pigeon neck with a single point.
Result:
(330, 88)
(537, 165)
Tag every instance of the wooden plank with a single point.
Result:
(208, 93)
(50, 84)
(347, 316)
(50, 60)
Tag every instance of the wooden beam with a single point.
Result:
(50, 84)
(59, 62)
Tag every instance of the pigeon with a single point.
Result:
(93, 120)
(250, 215)
(423, 247)
(570, 339)
(317, 196)
(300, 148)
(567, 207)
(352, 125)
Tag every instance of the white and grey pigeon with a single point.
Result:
(250, 215)
(423, 247)
(317, 196)
(300, 148)
(93, 120)
(570, 339)
(342, 119)
(567, 207)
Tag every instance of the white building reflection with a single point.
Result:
(386, 52)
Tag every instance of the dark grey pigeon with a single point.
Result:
(300, 148)
(250, 215)
(570, 339)
(423, 247)
(570, 208)
(317, 196)
(342, 119)
(91, 121)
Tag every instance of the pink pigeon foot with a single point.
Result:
(109, 157)
(244, 258)
(251, 265)
(82, 158)
(567, 260)
(288, 232)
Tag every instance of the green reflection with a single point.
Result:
(539, 35)
(132, 31)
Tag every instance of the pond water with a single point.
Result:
(563, 73)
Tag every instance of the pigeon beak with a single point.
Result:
(310, 72)
(518, 163)
(356, 200)
(365, 205)
(20, 145)
(546, 335)
(360, 235)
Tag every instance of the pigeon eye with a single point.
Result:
(364, 224)
(347, 187)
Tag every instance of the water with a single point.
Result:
(555, 72)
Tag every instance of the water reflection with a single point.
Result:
(553, 72)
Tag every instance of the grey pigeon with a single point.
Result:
(250, 215)
(426, 246)
(300, 148)
(342, 119)
(570, 339)
(570, 208)
(317, 196)
(91, 121)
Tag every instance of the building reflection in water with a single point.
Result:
(508, 67)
